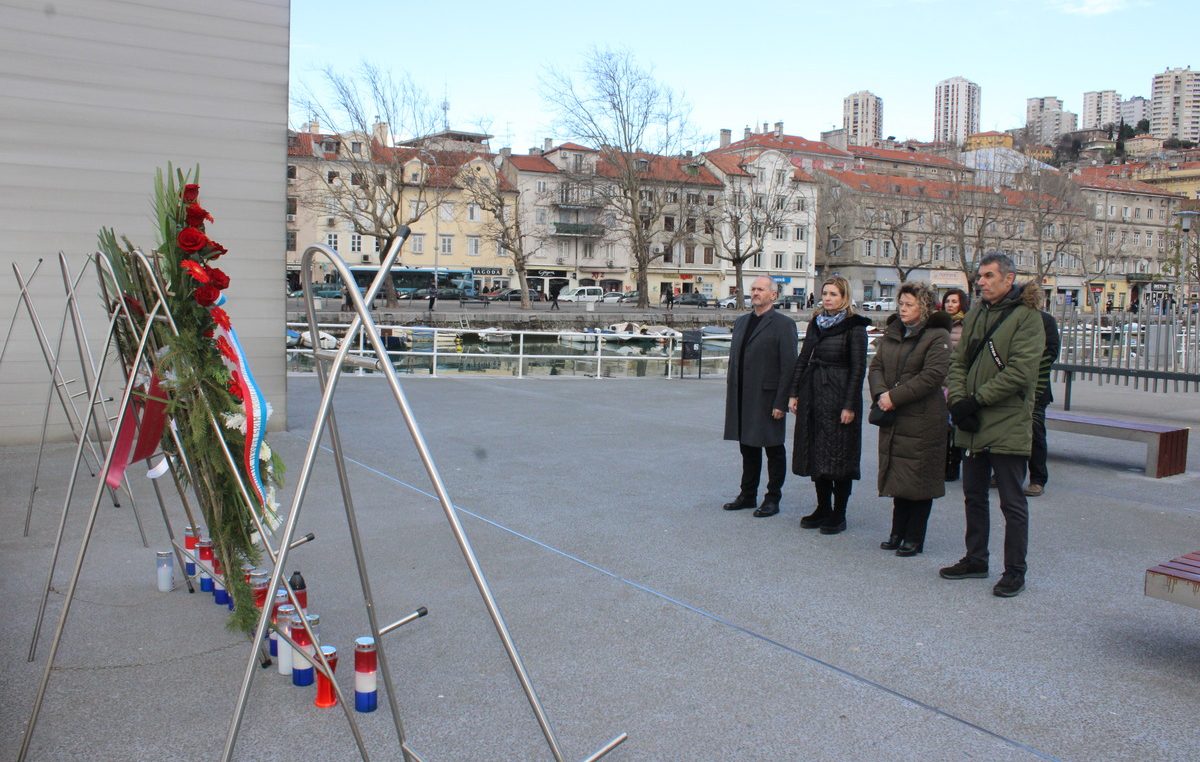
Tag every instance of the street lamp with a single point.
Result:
(1189, 221)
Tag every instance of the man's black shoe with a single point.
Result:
(740, 502)
(1009, 585)
(964, 569)
(769, 507)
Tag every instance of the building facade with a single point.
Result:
(862, 118)
(1175, 105)
(955, 110)
(1101, 109)
(1046, 120)
(1134, 110)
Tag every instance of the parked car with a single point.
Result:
(731, 301)
(514, 295)
(786, 302)
(628, 296)
(887, 303)
(611, 297)
(693, 299)
(443, 292)
(581, 294)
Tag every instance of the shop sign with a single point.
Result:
(487, 271)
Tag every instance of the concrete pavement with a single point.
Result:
(637, 603)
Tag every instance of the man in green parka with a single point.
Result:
(992, 386)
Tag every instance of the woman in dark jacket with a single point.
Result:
(906, 377)
(955, 303)
(827, 401)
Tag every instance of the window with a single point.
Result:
(291, 205)
(355, 147)
(1137, 238)
(669, 254)
(291, 240)
(801, 205)
(589, 250)
(331, 176)
(779, 259)
(799, 262)
(710, 255)
(868, 248)
(1149, 239)
(693, 199)
(779, 232)
(539, 216)
(937, 252)
(689, 255)
(1112, 210)
(690, 226)
(414, 176)
(760, 201)
(646, 195)
(541, 186)
(801, 232)
(356, 178)
(671, 197)
(416, 244)
(887, 250)
(473, 212)
(1124, 212)
(904, 250)
(668, 222)
(708, 227)
(1137, 212)
(780, 178)
(756, 261)
(780, 202)
(446, 211)
(291, 171)
(473, 249)
(920, 252)
(355, 243)
(1112, 236)
(417, 208)
(378, 245)
(331, 240)
(711, 200)
(446, 244)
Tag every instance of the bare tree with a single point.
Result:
(358, 175)
(616, 106)
(1056, 211)
(509, 227)
(897, 225)
(761, 197)
(969, 219)
(838, 220)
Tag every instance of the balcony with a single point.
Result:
(578, 229)
(577, 198)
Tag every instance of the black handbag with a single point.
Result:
(877, 416)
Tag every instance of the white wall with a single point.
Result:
(94, 95)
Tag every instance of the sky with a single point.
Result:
(745, 64)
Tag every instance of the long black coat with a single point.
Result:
(912, 451)
(828, 379)
(770, 354)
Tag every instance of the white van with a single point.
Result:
(581, 294)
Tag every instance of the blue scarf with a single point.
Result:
(825, 321)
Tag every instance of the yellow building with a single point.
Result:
(1182, 178)
(990, 139)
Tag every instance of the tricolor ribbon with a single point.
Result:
(254, 404)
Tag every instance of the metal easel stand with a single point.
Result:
(325, 415)
(59, 386)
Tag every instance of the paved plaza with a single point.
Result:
(638, 604)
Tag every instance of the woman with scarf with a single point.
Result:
(955, 303)
(906, 377)
(827, 401)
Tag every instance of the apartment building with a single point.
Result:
(905, 162)
(955, 110)
(1134, 110)
(862, 118)
(1101, 109)
(1046, 120)
(1175, 105)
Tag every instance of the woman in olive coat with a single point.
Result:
(906, 376)
(827, 400)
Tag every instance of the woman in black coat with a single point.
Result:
(827, 401)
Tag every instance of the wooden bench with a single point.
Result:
(482, 301)
(1166, 446)
(1176, 581)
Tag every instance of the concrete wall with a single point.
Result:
(94, 95)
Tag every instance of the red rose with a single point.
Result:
(217, 277)
(196, 215)
(215, 249)
(190, 239)
(206, 296)
(191, 192)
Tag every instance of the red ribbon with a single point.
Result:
(149, 432)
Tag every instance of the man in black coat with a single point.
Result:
(1039, 474)
(762, 355)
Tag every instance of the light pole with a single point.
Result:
(1189, 222)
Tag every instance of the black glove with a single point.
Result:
(964, 414)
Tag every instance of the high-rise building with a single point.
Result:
(1175, 105)
(862, 118)
(955, 110)
(1134, 110)
(1045, 120)
(1101, 108)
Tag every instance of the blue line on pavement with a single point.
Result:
(722, 620)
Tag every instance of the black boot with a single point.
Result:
(835, 520)
(824, 505)
(741, 501)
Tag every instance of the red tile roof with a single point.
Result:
(799, 174)
(572, 147)
(908, 157)
(666, 169)
(533, 164)
(730, 164)
(784, 143)
(916, 187)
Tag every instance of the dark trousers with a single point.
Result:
(910, 518)
(752, 468)
(1037, 457)
(554, 303)
(1010, 477)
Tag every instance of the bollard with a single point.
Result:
(366, 692)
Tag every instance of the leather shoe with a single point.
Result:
(909, 548)
(740, 502)
(1035, 490)
(891, 543)
(769, 507)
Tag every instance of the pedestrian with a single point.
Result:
(905, 378)
(1039, 474)
(761, 355)
(432, 297)
(811, 299)
(992, 383)
(347, 302)
(826, 396)
(554, 299)
(670, 298)
(955, 303)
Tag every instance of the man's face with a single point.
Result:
(992, 285)
(762, 294)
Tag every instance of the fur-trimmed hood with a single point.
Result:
(937, 319)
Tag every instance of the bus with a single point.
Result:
(410, 279)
